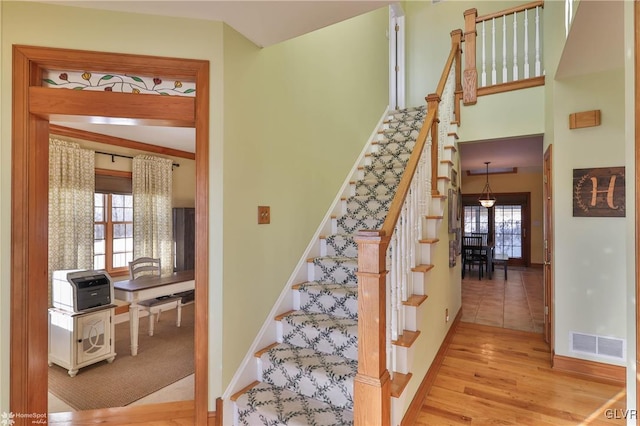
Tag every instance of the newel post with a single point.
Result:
(470, 81)
(433, 101)
(372, 385)
(456, 42)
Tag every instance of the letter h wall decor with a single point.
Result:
(599, 192)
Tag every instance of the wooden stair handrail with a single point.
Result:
(372, 384)
(403, 187)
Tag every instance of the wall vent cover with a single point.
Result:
(598, 345)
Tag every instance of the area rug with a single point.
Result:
(162, 359)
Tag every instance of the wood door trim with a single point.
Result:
(29, 213)
(113, 140)
(547, 203)
(636, 24)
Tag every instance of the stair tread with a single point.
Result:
(422, 268)
(323, 320)
(415, 300)
(399, 383)
(407, 339)
(429, 240)
(311, 373)
(281, 406)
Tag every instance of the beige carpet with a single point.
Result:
(162, 359)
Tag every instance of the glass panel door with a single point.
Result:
(508, 220)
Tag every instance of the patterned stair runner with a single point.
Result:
(307, 379)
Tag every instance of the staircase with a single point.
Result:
(307, 377)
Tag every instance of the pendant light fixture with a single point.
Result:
(487, 198)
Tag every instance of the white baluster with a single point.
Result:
(537, 65)
(567, 16)
(515, 47)
(493, 51)
(484, 72)
(526, 43)
(504, 49)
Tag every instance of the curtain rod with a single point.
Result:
(112, 155)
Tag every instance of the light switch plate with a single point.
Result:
(264, 215)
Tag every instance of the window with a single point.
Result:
(476, 219)
(506, 224)
(113, 232)
(113, 222)
(508, 221)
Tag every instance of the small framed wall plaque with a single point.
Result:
(599, 192)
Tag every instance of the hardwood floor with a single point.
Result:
(495, 373)
(489, 376)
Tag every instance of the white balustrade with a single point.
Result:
(520, 48)
(484, 50)
(493, 51)
(403, 253)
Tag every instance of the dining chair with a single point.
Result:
(472, 254)
(148, 266)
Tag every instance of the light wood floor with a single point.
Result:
(497, 368)
(490, 375)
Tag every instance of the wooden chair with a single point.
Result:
(472, 254)
(148, 266)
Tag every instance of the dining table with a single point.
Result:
(149, 287)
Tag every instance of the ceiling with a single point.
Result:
(523, 153)
(264, 22)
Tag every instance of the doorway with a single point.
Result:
(33, 107)
(507, 224)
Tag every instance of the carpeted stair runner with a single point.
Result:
(307, 378)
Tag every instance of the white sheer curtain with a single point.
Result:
(71, 187)
(152, 215)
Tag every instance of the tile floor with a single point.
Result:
(516, 303)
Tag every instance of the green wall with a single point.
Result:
(79, 28)
(297, 115)
(287, 123)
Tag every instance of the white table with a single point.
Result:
(149, 287)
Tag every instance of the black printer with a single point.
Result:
(81, 290)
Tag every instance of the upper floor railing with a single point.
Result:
(503, 50)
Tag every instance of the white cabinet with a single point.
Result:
(80, 339)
